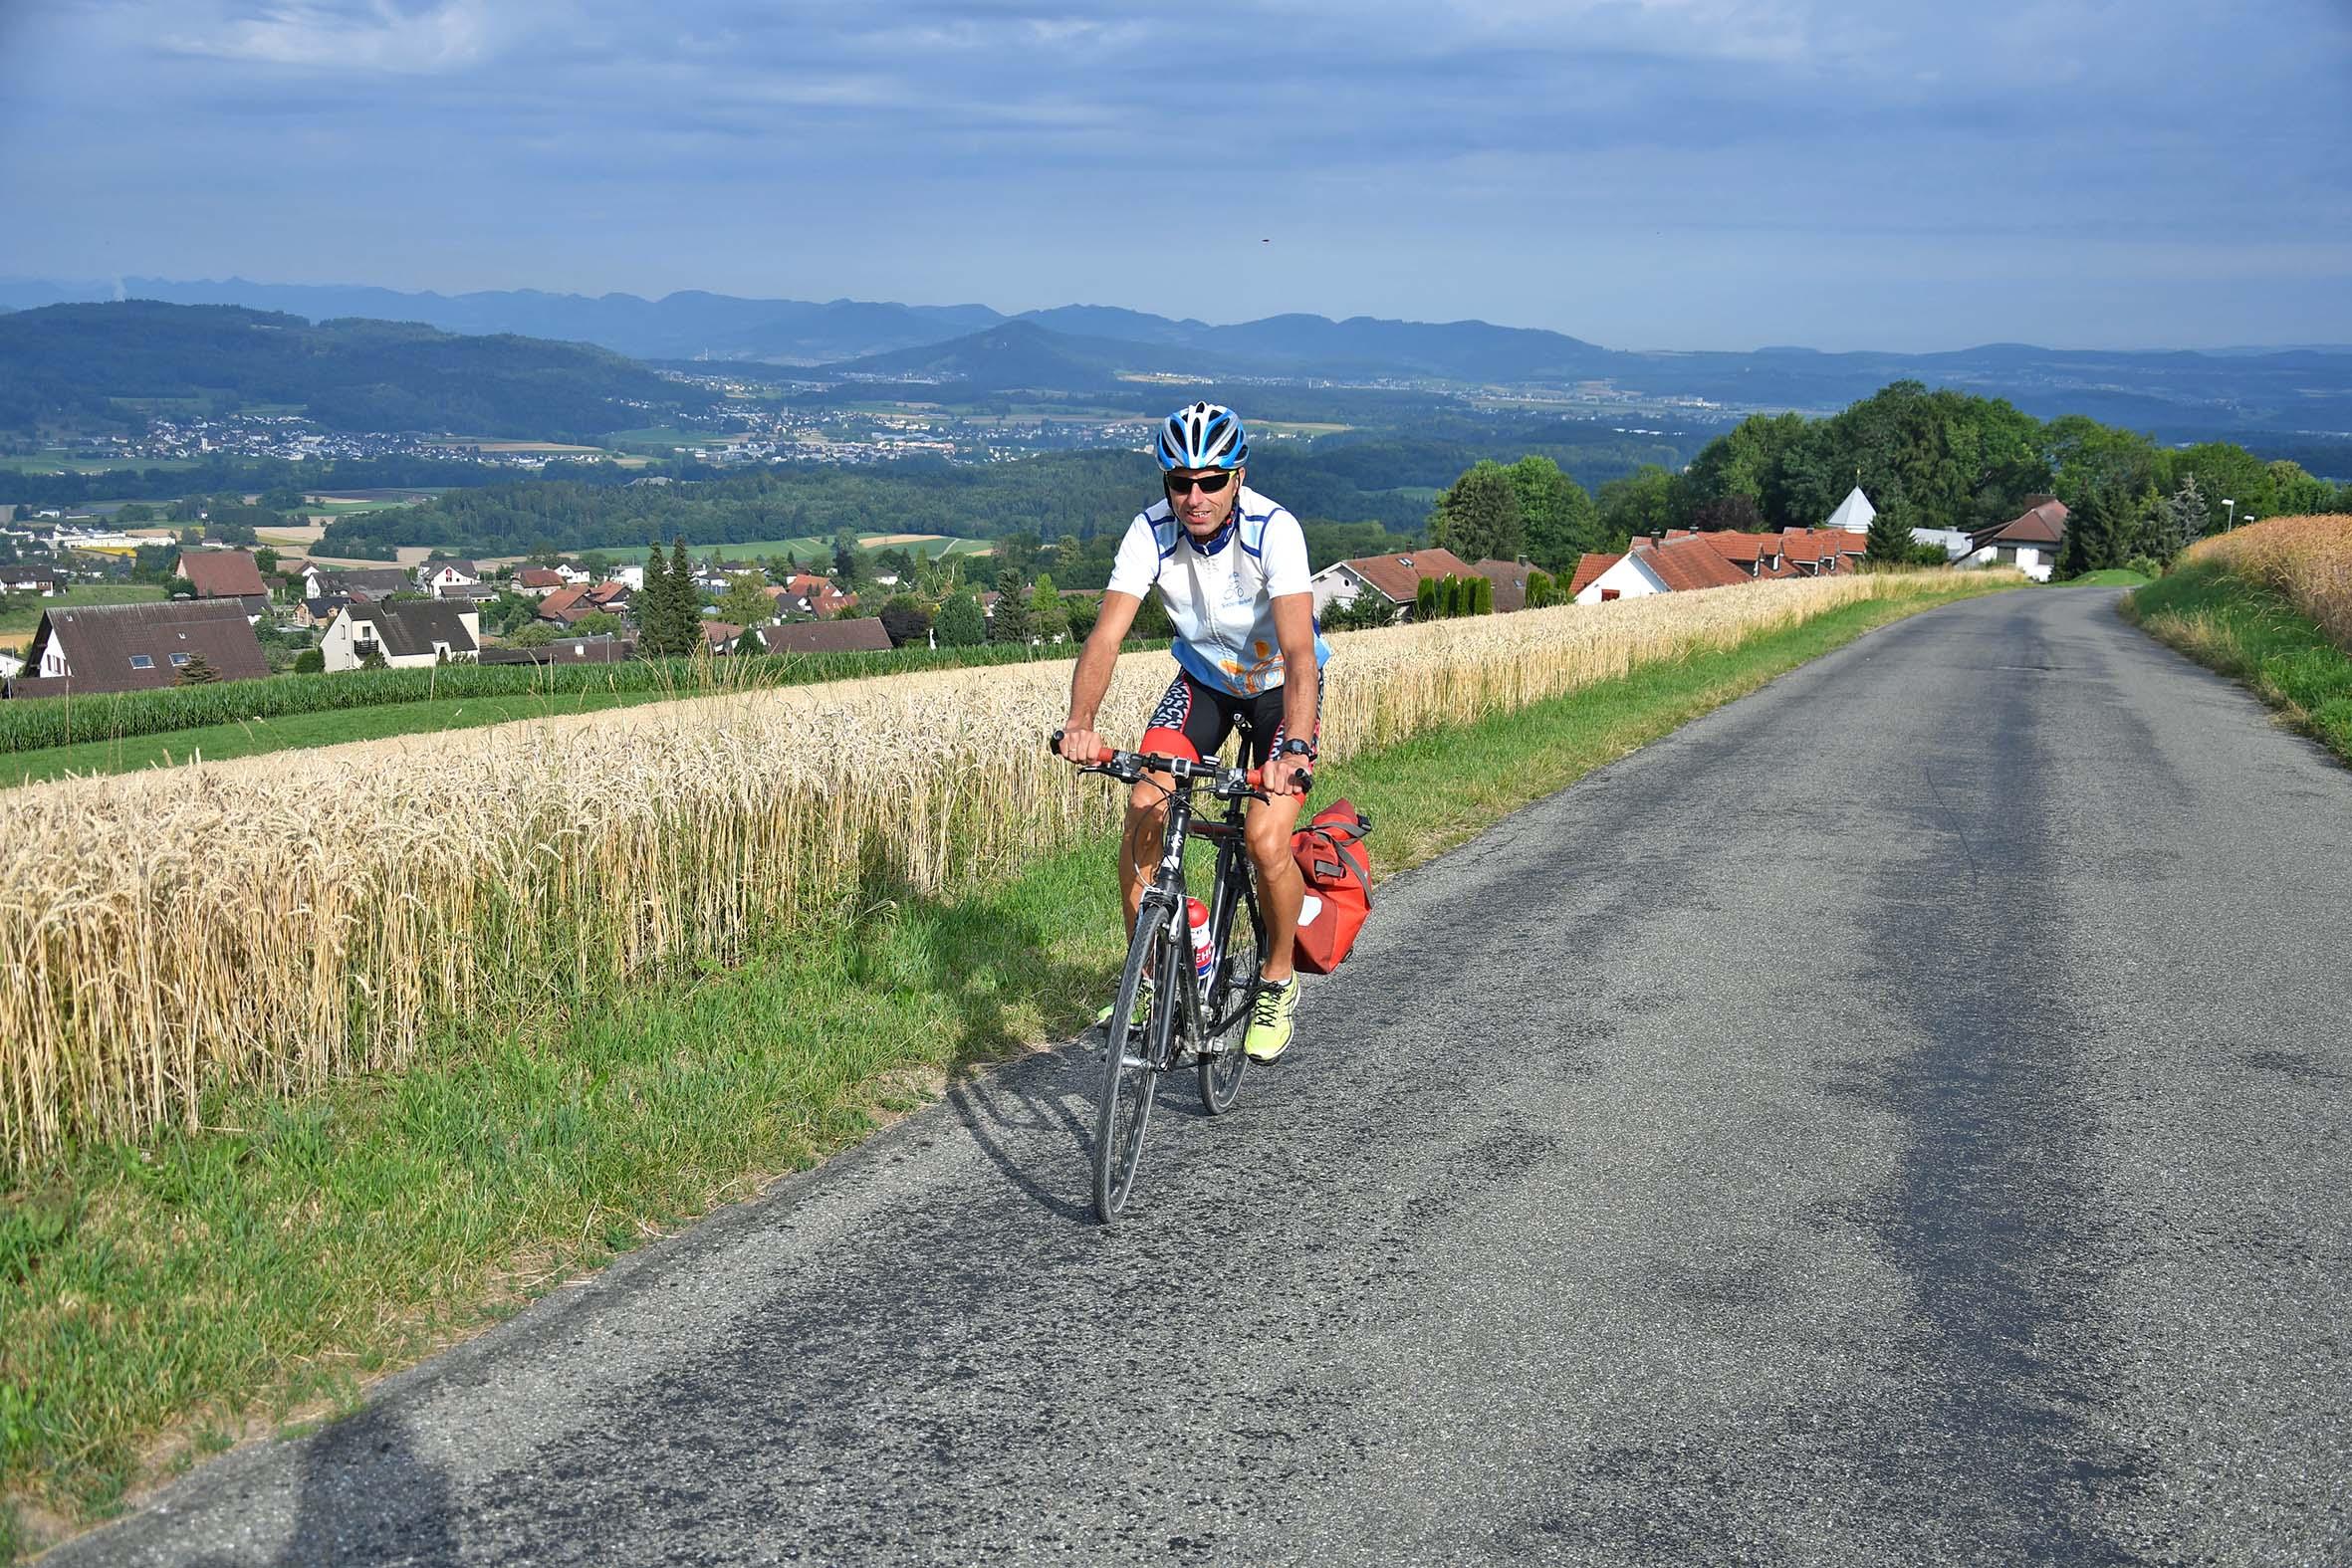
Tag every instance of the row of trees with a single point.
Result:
(1938, 460)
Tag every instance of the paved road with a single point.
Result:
(1900, 1118)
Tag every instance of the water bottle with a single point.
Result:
(1204, 945)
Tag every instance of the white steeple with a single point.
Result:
(1853, 513)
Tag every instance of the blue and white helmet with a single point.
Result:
(1204, 435)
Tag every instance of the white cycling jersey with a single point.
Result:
(1221, 598)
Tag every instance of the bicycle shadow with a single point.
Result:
(1030, 1112)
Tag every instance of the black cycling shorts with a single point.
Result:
(1193, 721)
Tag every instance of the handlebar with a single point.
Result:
(1131, 765)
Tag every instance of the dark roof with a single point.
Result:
(324, 605)
(1510, 583)
(827, 636)
(2044, 525)
(412, 627)
(221, 573)
(566, 650)
(371, 581)
(28, 574)
(101, 640)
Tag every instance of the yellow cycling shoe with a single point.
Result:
(1270, 1019)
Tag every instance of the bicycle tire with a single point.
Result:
(1130, 1080)
(1230, 990)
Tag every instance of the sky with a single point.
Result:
(1639, 173)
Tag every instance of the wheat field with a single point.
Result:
(288, 919)
(2308, 560)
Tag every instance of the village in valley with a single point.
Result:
(233, 605)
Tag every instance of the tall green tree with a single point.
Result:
(1046, 619)
(2096, 533)
(746, 601)
(1478, 517)
(682, 602)
(1889, 540)
(1013, 623)
(1560, 520)
(1640, 503)
(961, 623)
(652, 607)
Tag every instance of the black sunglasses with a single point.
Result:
(1207, 484)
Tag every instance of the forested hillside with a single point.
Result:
(76, 365)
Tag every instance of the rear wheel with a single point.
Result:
(1227, 1009)
(1129, 1078)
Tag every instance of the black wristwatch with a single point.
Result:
(1294, 747)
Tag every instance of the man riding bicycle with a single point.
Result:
(1231, 569)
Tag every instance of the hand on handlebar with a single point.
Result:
(1081, 746)
(1280, 777)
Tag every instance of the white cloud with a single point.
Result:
(378, 37)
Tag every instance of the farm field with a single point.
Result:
(812, 549)
(296, 732)
(83, 465)
(23, 615)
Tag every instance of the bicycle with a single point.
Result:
(1202, 1023)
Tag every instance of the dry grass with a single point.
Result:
(2306, 561)
(291, 919)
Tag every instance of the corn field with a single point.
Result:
(290, 919)
(2306, 561)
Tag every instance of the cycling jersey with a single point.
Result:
(1220, 596)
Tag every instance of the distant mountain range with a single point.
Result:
(1079, 348)
(95, 364)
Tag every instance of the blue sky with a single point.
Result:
(1642, 174)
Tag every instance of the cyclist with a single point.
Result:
(1230, 569)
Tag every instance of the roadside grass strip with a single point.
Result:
(259, 1245)
(2253, 636)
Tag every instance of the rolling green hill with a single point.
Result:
(105, 366)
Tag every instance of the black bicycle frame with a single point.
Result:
(1167, 893)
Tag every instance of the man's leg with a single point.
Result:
(1282, 891)
(1142, 840)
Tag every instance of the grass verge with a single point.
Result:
(2242, 630)
(169, 1298)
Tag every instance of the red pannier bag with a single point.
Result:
(1337, 864)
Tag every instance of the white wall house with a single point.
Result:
(1338, 585)
(412, 634)
(1629, 578)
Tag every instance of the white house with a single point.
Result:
(413, 633)
(1627, 577)
(1396, 579)
(437, 577)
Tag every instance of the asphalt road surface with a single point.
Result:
(1901, 1117)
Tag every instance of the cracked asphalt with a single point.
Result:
(1901, 1117)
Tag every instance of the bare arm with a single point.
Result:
(1293, 628)
(1092, 678)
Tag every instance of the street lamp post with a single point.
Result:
(2231, 516)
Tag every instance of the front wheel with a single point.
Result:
(1129, 1078)
(1225, 1012)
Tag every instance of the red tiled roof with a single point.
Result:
(1401, 577)
(1747, 548)
(1685, 564)
(566, 604)
(221, 573)
(539, 578)
(1588, 567)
